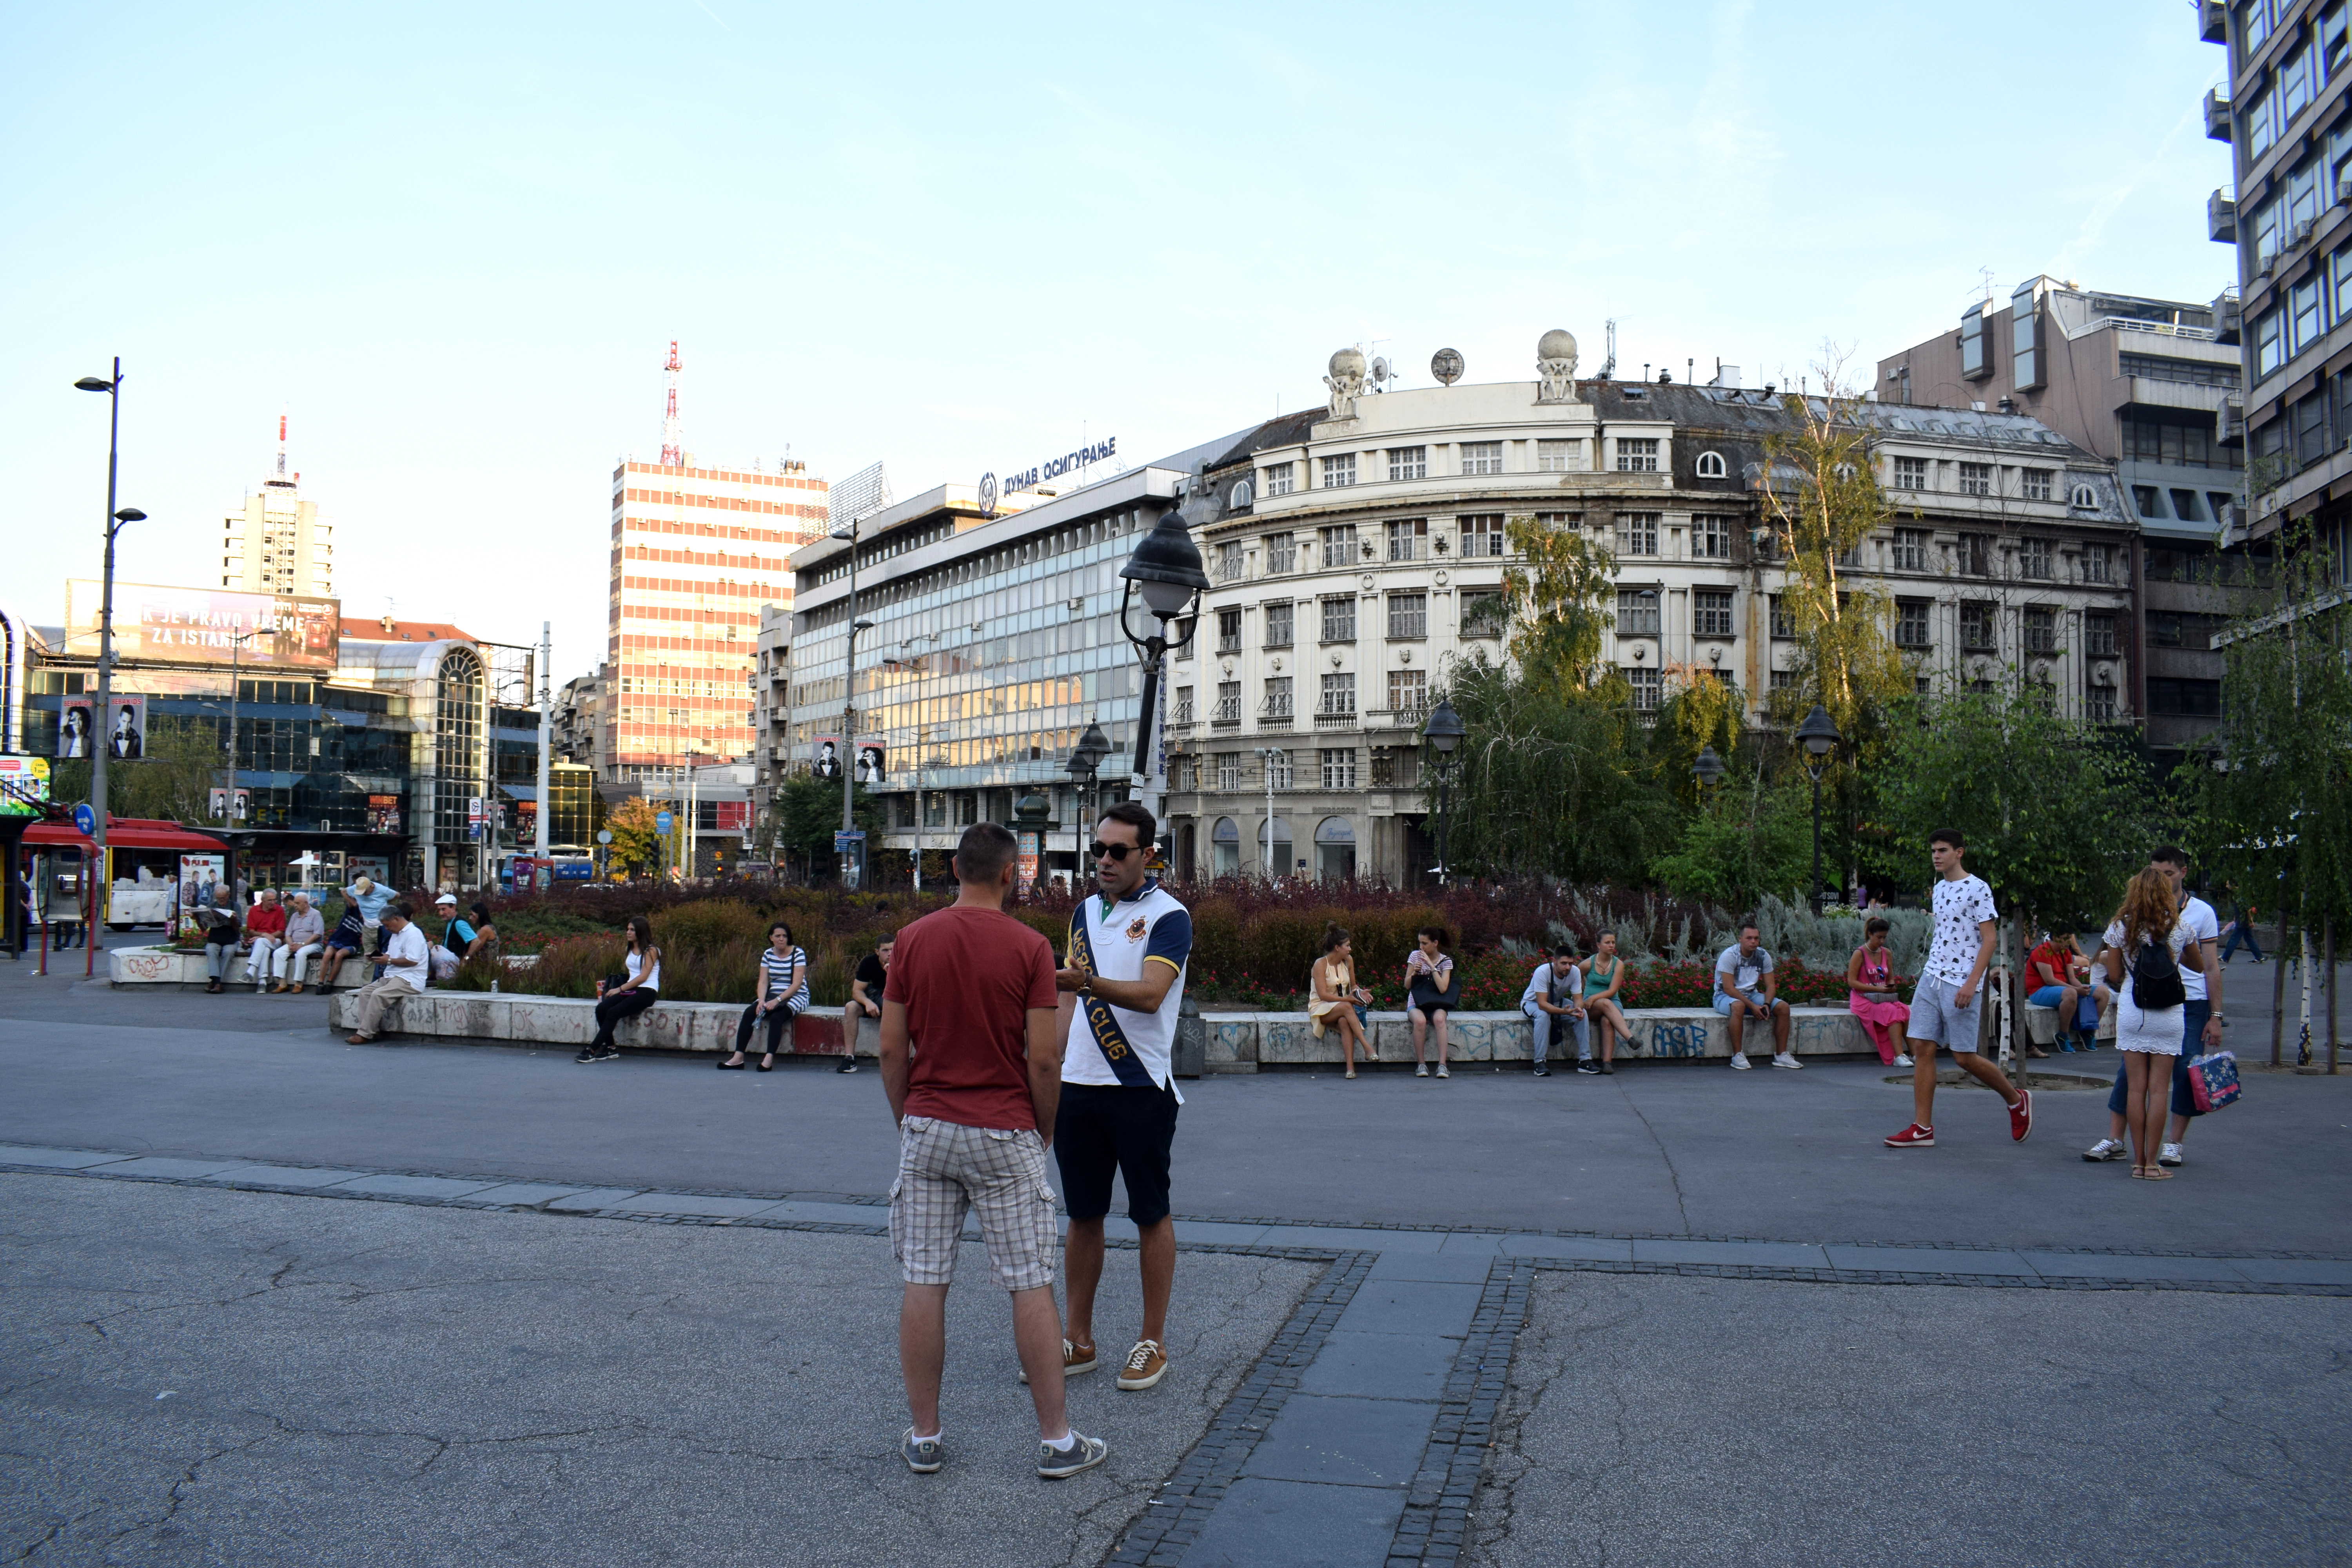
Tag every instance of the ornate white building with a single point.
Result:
(1356, 552)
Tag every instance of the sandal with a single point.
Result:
(2155, 1173)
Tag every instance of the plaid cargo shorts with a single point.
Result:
(999, 1173)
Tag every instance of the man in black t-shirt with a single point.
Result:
(866, 998)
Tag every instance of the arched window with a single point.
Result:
(1241, 497)
(2083, 499)
(1335, 848)
(1279, 861)
(1711, 465)
(1225, 842)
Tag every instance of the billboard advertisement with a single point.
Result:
(23, 786)
(828, 762)
(158, 625)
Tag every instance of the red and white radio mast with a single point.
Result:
(281, 446)
(673, 433)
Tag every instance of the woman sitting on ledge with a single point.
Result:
(1339, 1002)
(620, 997)
(784, 993)
(1434, 991)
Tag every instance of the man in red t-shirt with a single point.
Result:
(971, 1061)
(264, 933)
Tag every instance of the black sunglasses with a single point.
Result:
(1116, 851)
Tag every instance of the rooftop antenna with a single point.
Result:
(1986, 273)
(673, 433)
(281, 442)
(1609, 365)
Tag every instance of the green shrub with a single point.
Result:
(829, 976)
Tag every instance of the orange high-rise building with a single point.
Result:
(696, 553)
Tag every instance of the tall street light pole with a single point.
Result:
(1444, 730)
(114, 522)
(1166, 566)
(1820, 737)
(228, 780)
(1085, 759)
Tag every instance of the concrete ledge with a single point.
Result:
(174, 966)
(1237, 1042)
(572, 1021)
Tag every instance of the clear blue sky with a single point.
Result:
(456, 241)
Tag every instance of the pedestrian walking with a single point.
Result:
(2241, 927)
(1339, 1003)
(306, 937)
(1604, 1005)
(2150, 947)
(407, 967)
(346, 940)
(265, 935)
(1431, 992)
(1744, 988)
(1129, 942)
(1871, 996)
(1553, 1002)
(224, 931)
(970, 1066)
(783, 996)
(620, 996)
(866, 988)
(2201, 1021)
(1948, 1002)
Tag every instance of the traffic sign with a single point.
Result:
(85, 820)
(664, 822)
(474, 809)
(603, 836)
(845, 840)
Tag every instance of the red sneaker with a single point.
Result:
(1913, 1137)
(2021, 1116)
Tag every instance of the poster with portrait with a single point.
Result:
(383, 813)
(77, 732)
(827, 765)
(199, 875)
(126, 728)
(870, 765)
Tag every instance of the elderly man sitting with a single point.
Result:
(306, 935)
(265, 929)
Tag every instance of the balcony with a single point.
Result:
(1274, 713)
(1226, 711)
(2217, 116)
(1334, 714)
(2221, 218)
(1396, 718)
(2213, 21)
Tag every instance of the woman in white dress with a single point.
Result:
(2148, 1037)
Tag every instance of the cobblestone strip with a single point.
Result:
(1171, 1522)
(1436, 1519)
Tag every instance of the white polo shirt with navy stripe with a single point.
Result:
(1115, 1046)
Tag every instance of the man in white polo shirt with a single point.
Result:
(1129, 941)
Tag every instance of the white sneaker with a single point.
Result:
(2106, 1149)
(1787, 1059)
(1740, 1061)
(1902, 1060)
(1420, 1069)
(2170, 1155)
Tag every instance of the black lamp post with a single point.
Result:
(1443, 730)
(1166, 565)
(114, 522)
(1085, 757)
(1819, 738)
(1709, 769)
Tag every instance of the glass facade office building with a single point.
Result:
(995, 642)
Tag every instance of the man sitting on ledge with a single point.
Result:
(406, 961)
(1744, 987)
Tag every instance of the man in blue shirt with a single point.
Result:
(1125, 980)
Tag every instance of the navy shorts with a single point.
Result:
(1102, 1128)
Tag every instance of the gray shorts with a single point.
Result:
(999, 1175)
(1936, 1020)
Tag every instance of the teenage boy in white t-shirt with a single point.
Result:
(1948, 1004)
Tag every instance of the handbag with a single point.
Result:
(2155, 978)
(2213, 1081)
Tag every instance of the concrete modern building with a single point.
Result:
(773, 715)
(2153, 387)
(994, 642)
(578, 723)
(1357, 551)
(696, 553)
(2289, 215)
(276, 544)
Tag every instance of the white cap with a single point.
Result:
(448, 898)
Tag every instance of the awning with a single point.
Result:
(130, 832)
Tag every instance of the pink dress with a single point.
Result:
(1876, 1015)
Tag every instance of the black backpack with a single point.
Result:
(2155, 978)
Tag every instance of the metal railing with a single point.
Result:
(1227, 710)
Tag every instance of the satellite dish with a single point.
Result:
(1447, 365)
(1381, 371)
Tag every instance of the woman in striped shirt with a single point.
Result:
(784, 993)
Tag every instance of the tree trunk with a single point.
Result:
(2278, 987)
